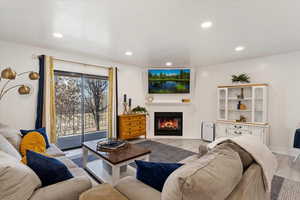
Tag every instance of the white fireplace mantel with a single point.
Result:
(166, 105)
(162, 102)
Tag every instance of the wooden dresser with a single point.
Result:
(132, 126)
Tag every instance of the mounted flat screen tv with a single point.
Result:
(169, 81)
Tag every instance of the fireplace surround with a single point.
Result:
(168, 123)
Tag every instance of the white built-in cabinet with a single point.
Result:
(250, 118)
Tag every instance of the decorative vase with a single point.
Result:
(149, 99)
(242, 93)
(239, 105)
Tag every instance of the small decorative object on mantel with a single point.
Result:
(186, 100)
(11, 75)
(108, 145)
(240, 79)
(149, 99)
(140, 110)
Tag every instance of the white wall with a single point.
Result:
(19, 111)
(282, 72)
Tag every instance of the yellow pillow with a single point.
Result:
(33, 141)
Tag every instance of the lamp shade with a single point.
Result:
(34, 76)
(8, 73)
(24, 89)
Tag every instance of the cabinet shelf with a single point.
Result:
(240, 110)
(236, 99)
(245, 99)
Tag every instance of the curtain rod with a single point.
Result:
(80, 63)
(75, 62)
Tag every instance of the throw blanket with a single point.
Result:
(260, 153)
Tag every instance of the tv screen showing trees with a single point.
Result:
(169, 81)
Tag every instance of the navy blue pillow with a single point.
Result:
(155, 174)
(49, 170)
(42, 131)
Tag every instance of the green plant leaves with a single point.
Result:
(241, 78)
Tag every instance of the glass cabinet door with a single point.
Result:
(222, 103)
(259, 108)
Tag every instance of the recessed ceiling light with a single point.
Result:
(58, 35)
(239, 48)
(206, 25)
(169, 64)
(128, 53)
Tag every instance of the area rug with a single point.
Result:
(164, 153)
(285, 189)
(282, 189)
(159, 153)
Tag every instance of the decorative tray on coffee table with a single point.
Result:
(111, 145)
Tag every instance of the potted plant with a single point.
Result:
(242, 78)
(140, 110)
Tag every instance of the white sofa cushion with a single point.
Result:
(211, 177)
(134, 189)
(65, 190)
(12, 135)
(54, 151)
(7, 147)
(18, 182)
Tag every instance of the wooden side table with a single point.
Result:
(132, 126)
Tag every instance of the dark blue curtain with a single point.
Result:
(40, 97)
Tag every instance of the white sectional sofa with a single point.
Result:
(19, 182)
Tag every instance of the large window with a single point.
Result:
(81, 108)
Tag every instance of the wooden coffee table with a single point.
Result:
(112, 165)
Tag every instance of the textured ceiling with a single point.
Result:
(156, 31)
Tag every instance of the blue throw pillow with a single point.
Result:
(49, 170)
(42, 131)
(155, 174)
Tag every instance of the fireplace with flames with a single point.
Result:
(168, 123)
